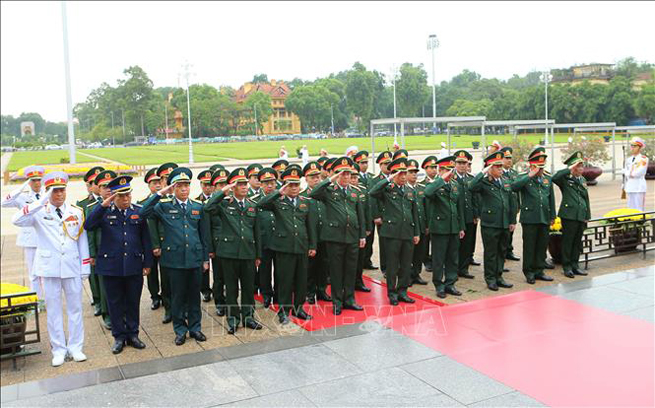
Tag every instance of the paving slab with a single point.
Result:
(513, 399)
(612, 300)
(291, 398)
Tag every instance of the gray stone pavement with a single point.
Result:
(357, 365)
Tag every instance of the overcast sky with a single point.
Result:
(228, 43)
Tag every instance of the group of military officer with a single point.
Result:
(255, 231)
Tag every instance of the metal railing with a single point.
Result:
(614, 236)
(15, 335)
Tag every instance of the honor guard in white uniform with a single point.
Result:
(19, 198)
(634, 175)
(61, 261)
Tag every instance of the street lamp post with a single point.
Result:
(69, 97)
(186, 72)
(433, 44)
(332, 118)
(112, 128)
(393, 82)
(546, 77)
(123, 116)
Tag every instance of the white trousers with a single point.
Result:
(35, 281)
(72, 288)
(636, 201)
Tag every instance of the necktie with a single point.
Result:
(58, 211)
(183, 207)
(38, 196)
(124, 212)
(241, 205)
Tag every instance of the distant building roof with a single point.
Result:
(276, 89)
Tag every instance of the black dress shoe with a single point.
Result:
(180, 339)
(302, 315)
(580, 272)
(393, 301)
(353, 306)
(503, 284)
(568, 274)
(97, 311)
(441, 294)
(548, 264)
(106, 322)
(156, 303)
(453, 291)
(231, 329)
(405, 299)
(117, 348)
(267, 302)
(283, 319)
(371, 267)
(253, 324)
(167, 318)
(544, 277)
(493, 286)
(466, 276)
(311, 300)
(512, 257)
(531, 281)
(336, 310)
(136, 343)
(428, 268)
(505, 269)
(475, 263)
(419, 281)
(207, 296)
(360, 287)
(220, 311)
(198, 335)
(322, 295)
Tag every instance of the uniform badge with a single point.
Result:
(410, 195)
(195, 212)
(252, 209)
(134, 216)
(302, 206)
(353, 195)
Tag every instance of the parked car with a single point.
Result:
(53, 147)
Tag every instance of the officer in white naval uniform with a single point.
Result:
(634, 175)
(61, 261)
(19, 198)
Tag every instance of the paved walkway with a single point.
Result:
(358, 365)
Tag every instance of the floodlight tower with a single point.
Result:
(545, 78)
(433, 44)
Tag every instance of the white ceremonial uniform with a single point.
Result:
(62, 261)
(634, 181)
(19, 198)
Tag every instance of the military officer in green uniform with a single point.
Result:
(400, 229)
(383, 161)
(218, 180)
(279, 166)
(362, 191)
(294, 242)
(321, 161)
(156, 231)
(343, 232)
(239, 251)
(575, 212)
(431, 168)
(185, 250)
(317, 267)
(418, 190)
(205, 178)
(102, 180)
(537, 199)
(447, 227)
(154, 184)
(497, 217)
(461, 179)
(361, 159)
(93, 196)
(510, 175)
(268, 179)
(254, 185)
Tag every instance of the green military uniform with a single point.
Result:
(383, 158)
(575, 211)
(445, 223)
(205, 177)
(218, 288)
(342, 231)
(153, 276)
(266, 220)
(471, 213)
(94, 283)
(421, 248)
(239, 247)
(430, 161)
(537, 213)
(253, 171)
(363, 193)
(294, 237)
(497, 213)
(184, 250)
(365, 179)
(399, 228)
(317, 267)
(510, 175)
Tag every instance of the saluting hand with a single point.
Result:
(534, 170)
(284, 188)
(446, 177)
(486, 169)
(228, 187)
(334, 177)
(107, 201)
(166, 190)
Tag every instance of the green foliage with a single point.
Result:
(260, 102)
(412, 90)
(593, 149)
(313, 105)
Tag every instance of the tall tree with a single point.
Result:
(411, 89)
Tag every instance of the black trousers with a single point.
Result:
(420, 253)
(239, 273)
(153, 280)
(205, 288)
(368, 249)
(495, 247)
(123, 298)
(265, 273)
(219, 283)
(291, 280)
(185, 297)
(572, 232)
(381, 247)
(317, 270)
(399, 253)
(343, 265)
(466, 248)
(535, 242)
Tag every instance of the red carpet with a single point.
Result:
(557, 351)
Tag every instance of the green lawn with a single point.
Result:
(147, 155)
(22, 159)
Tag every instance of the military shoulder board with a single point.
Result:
(165, 200)
(196, 201)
